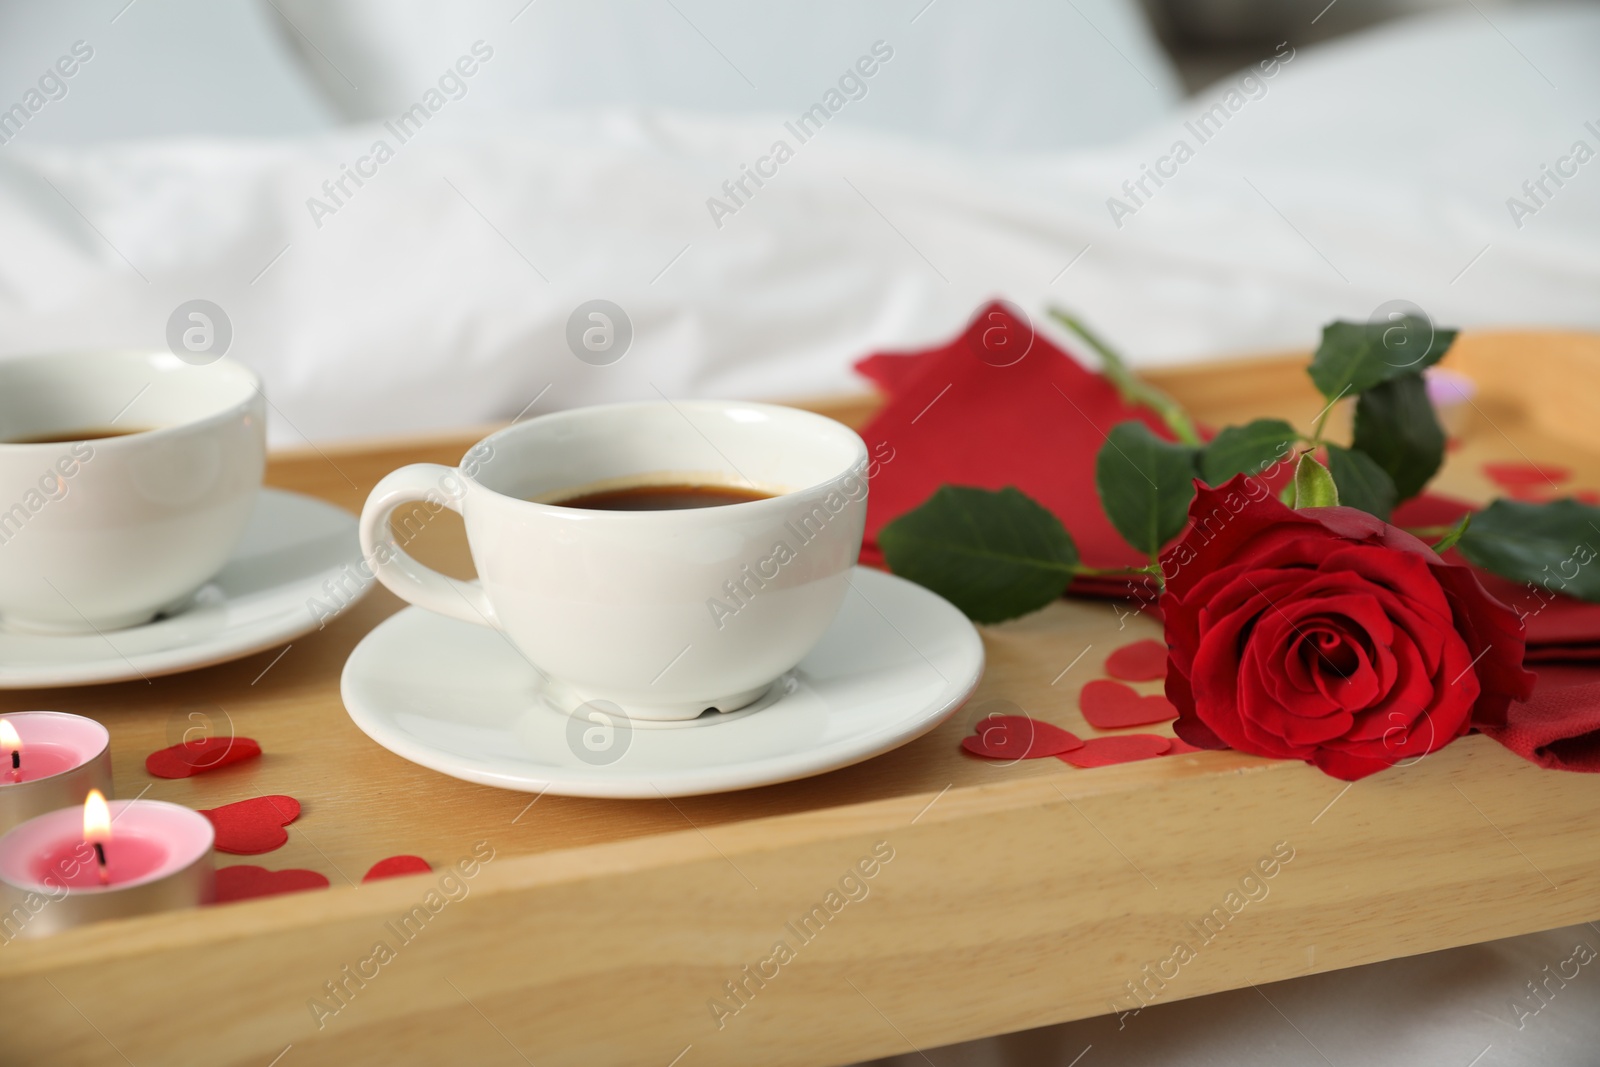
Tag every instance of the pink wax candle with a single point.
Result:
(49, 760)
(91, 862)
(75, 864)
(103, 861)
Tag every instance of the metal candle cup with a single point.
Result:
(158, 854)
(61, 757)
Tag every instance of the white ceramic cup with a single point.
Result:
(104, 534)
(663, 613)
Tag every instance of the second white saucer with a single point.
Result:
(297, 567)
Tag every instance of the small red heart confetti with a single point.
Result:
(1509, 475)
(197, 757)
(1111, 705)
(1105, 751)
(395, 866)
(1587, 496)
(1018, 737)
(246, 881)
(1142, 661)
(253, 826)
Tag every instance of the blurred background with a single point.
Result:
(1361, 152)
(1209, 38)
(249, 68)
(392, 274)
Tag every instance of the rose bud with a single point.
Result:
(1329, 636)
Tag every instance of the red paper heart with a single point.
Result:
(1018, 737)
(1179, 746)
(1111, 705)
(1509, 475)
(395, 866)
(1104, 751)
(253, 826)
(246, 881)
(1142, 661)
(197, 757)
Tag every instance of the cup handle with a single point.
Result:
(404, 576)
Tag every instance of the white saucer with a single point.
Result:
(459, 699)
(261, 598)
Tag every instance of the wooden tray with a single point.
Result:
(1016, 896)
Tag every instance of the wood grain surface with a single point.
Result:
(605, 931)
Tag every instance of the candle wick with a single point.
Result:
(16, 759)
(100, 857)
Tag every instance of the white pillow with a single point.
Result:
(1006, 74)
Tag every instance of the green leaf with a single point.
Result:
(1355, 356)
(1246, 449)
(1395, 424)
(1550, 544)
(1313, 485)
(1452, 535)
(1362, 483)
(994, 555)
(1145, 485)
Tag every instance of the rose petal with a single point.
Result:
(1494, 635)
(1142, 661)
(246, 881)
(197, 757)
(1344, 765)
(1017, 737)
(1127, 748)
(395, 866)
(1509, 475)
(1108, 705)
(250, 827)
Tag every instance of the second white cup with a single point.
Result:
(126, 481)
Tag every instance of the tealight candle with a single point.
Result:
(103, 861)
(1451, 393)
(49, 760)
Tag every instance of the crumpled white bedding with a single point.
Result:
(437, 293)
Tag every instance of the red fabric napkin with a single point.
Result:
(1560, 727)
(973, 413)
(955, 415)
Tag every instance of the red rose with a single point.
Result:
(1327, 635)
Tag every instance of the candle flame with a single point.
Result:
(96, 818)
(10, 740)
